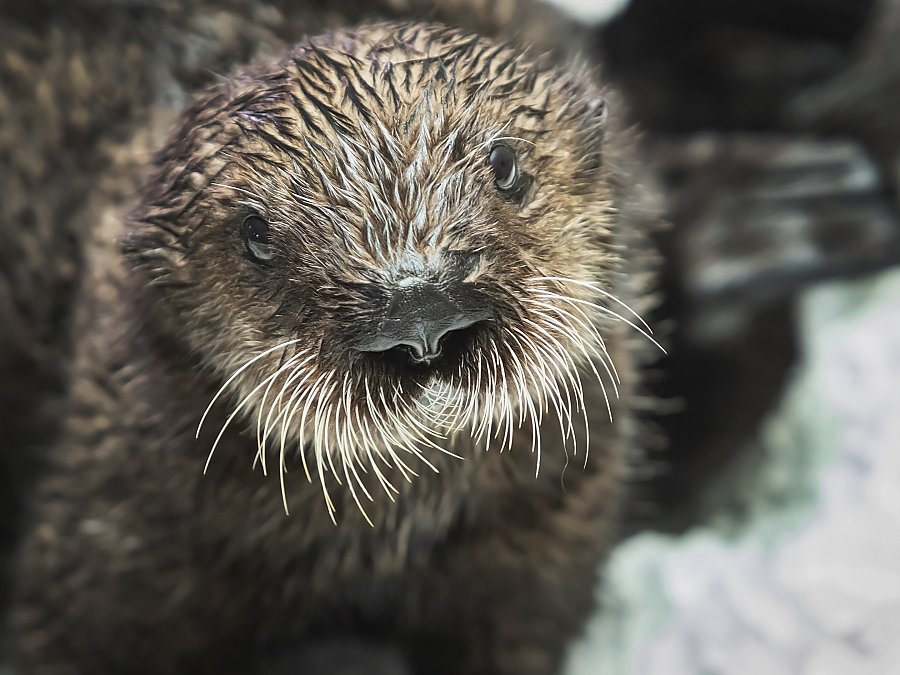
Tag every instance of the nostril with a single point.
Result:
(415, 355)
(425, 345)
(432, 336)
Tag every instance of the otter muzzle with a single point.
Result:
(421, 316)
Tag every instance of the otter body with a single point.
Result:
(390, 275)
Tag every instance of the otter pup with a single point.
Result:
(388, 284)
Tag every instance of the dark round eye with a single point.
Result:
(256, 237)
(503, 163)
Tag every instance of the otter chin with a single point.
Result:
(402, 269)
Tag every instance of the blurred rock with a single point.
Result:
(591, 11)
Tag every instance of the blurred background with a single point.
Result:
(764, 535)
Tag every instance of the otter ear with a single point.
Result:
(593, 117)
(155, 241)
(598, 109)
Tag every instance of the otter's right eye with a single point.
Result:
(503, 163)
(256, 238)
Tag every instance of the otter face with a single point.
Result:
(413, 227)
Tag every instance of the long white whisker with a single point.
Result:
(283, 409)
(237, 374)
(234, 413)
(260, 446)
(598, 289)
(607, 311)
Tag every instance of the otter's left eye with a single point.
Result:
(256, 238)
(503, 163)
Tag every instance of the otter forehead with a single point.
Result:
(370, 154)
(381, 134)
(383, 97)
(396, 78)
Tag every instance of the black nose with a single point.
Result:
(421, 316)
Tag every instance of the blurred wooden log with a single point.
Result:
(862, 99)
(688, 65)
(759, 217)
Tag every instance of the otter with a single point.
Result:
(87, 91)
(329, 373)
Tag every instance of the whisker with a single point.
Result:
(282, 409)
(234, 413)
(608, 311)
(237, 373)
(260, 452)
(598, 289)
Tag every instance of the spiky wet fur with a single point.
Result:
(366, 151)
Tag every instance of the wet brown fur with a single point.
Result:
(137, 562)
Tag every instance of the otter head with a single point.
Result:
(392, 235)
